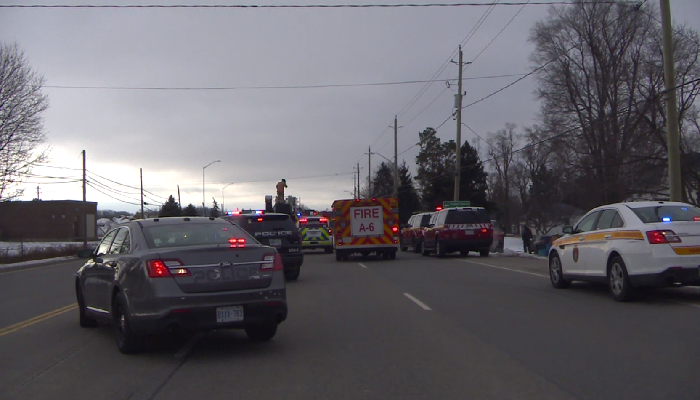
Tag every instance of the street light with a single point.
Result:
(204, 207)
(223, 198)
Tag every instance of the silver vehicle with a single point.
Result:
(181, 273)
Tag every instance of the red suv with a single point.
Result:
(462, 229)
(412, 233)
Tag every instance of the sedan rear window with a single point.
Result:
(650, 215)
(192, 234)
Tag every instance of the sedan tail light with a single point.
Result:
(161, 268)
(663, 236)
(272, 261)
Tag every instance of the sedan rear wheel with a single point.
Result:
(619, 280)
(261, 333)
(555, 273)
(127, 341)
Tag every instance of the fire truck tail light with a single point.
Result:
(395, 229)
(484, 230)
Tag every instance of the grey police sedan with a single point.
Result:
(181, 273)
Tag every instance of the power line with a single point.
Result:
(501, 31)
(231, 88)
(299, 6)
(110, 196)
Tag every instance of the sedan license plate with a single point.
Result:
(469, 232)
(229, 314)
(275, 242)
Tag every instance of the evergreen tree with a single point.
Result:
(472, 182)
(215, 212)
(435, 175)
(383, 182)
(190, 211)
(170, 208)
(409, 202)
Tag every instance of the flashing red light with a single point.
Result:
(357, 200)
(394, 229)
(660, 237)
(438, 208)
(260, 219)
(304, 221)
(237, 242)
(374, 199)
(235, 213)
(323, 219)
(484, 230)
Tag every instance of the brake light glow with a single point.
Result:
(303, 220)
(161, 268)
(272, 262)
(323, 219)
(236, 242)
(484, 230)
(660, 237)
(696, 218)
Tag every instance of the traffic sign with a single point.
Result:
(459, 203)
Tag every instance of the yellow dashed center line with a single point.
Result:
(37, 319)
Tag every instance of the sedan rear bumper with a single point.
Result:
(674, 276)
(204, 318)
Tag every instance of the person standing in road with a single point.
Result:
(527, 238)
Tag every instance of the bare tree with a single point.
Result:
(602, 96)
(21, 124)
(500, 149)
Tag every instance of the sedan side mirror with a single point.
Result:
(86, 253)
(568, 230)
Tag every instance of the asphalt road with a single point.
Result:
(411, 328)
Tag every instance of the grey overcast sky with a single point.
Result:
(272, 125)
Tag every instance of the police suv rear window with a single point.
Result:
(650, 215)
(268, 223)
(467, 217)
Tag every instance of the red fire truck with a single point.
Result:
(366, 226)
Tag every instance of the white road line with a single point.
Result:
(189, 345)
(420, 303)
(362, 265)
(507, 269)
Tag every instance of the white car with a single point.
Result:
(630, 245)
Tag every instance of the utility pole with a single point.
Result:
(178, 197)
(85, 238)
(141, 175)
(674, 162)
(396, 158)
(458, 104)
(369, 173)
(358, 181)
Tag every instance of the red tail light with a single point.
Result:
(395, 229)
(323, 219)
(660, 237)
(303, 220)
(330, 231)
(161, 268)
(484, 230)
(272, 261)
(237, 242)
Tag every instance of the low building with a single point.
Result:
(41, 220)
